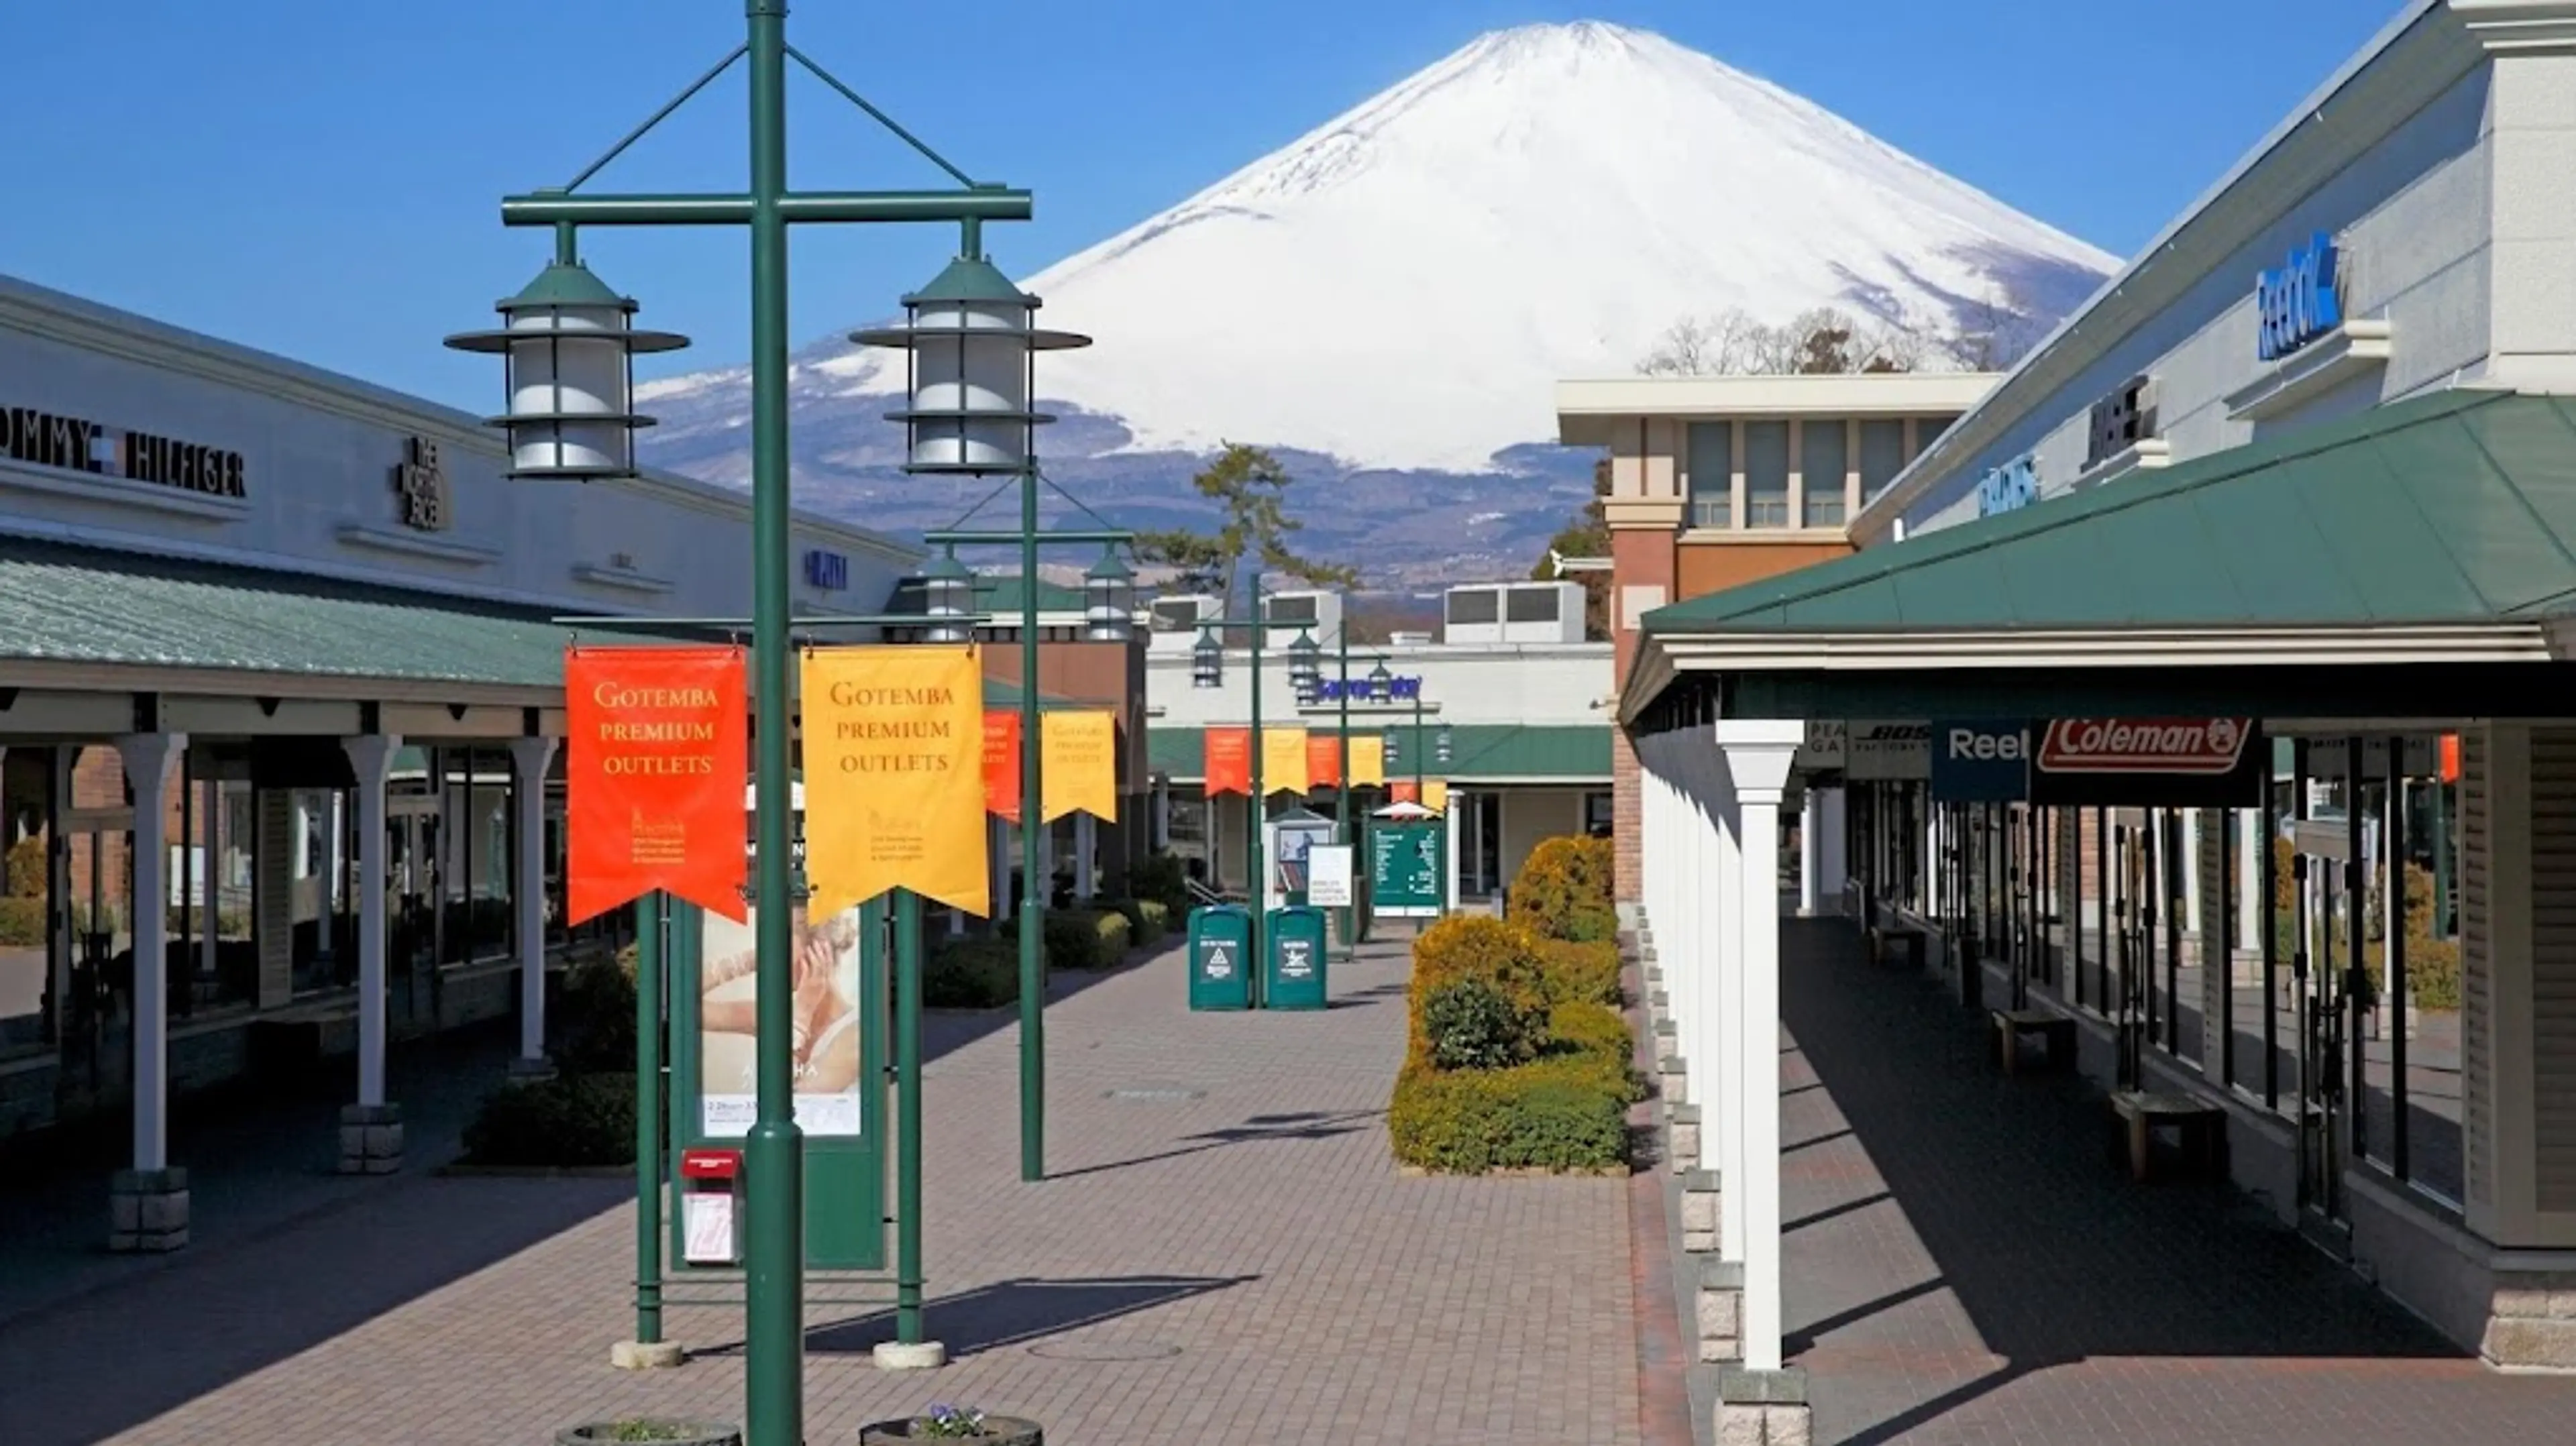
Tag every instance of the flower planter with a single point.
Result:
(998, 1431)
(654, 1432)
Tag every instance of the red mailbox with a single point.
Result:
(711, 1206)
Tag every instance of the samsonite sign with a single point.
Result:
(2148, 763)
(1981, 761)
(1888, 752)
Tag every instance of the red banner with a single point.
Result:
(1228, 761)
(1323, 760)
(1002, 763)
(1404, 790)
(654, 777)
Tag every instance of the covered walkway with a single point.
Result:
(1963, 1263)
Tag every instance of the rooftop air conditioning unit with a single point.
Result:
(1322, 609)
(1176, 620)
(1518, 612)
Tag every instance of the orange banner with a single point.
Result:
(1324, 760)
(1403, 791)
(1228, 761)
(1002, 763)
(654, 778)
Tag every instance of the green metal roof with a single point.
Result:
(2456, 507)
(84, 605)
(1568, 753)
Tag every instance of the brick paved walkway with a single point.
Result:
(1965, 1266)
(1242, 1266)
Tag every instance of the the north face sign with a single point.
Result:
(2144, 745)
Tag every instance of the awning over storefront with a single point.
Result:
(2421, 553)
(1481, 755)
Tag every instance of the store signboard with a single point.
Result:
(2008, 488)
(1828, 745)
(1885, 752)
(2423, 756)
(2148, 763)
(2296, 302)
(1982, 761)
(1408, 863)
(1328, 876)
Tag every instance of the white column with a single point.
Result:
(2253, 859)
(210, 870)
(150, 759)
(371, 758)
(1834, 851)
(1083, 839)
(1811, 854)
(1758, 757)
(529, 760)
(1725, 883)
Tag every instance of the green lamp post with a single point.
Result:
(971, 339)
(1341, 711)
(568, 343)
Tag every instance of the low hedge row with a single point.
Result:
(1518, 1057)
(985, 973)
(1565, 891)
(567, 1120)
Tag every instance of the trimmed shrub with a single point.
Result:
(1472, 946)
(1164, 879)
(971, 974)
(595, 1017)
(568, 1120)
(1553, 1113)
(1565, 890)
(2433, 972)
(26, 866)
(1468, 1024)
(22, 922)
(1586, 970)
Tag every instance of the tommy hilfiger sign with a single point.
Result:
(50, 439)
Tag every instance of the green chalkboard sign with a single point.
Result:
(1408, 866)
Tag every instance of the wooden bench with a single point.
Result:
(2201, 1128)
(2056, 1034)
(1890, 940)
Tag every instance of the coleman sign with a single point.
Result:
(2148, 763)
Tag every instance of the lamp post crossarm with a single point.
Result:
(1011, 536)
(734, 208)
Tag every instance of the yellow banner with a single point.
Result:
(1283, 760)
(1435, 794)
(1078, 766)
(894, 776)
(1368, 761)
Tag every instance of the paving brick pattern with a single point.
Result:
(1964, 1264)
(1242, 1266)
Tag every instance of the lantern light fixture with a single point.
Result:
(1381, 684)
(569, 344)
(1306, 667)
(971, 341)
(1109, 598)
(948, 599)
(1207, 661)
(1440, 745)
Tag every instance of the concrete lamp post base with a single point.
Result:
(371, 1139)
(1764, 1408)
(530, 1071)
(147, 1211)
(910, 1356)
(645, 1355)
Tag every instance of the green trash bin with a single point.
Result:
(1220, 957)
(1293, 976)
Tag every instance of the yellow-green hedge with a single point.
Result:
(1587, 970)
(1565, 890)
(1472, 946)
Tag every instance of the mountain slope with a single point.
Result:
(1397, 291)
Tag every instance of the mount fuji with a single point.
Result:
(1388, 302)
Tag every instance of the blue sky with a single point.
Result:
(321, 179)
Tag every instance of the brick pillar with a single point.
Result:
(1625, 823)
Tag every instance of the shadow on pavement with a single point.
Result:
(2054, 1255)
(1304, 1125)
(1019, 1312)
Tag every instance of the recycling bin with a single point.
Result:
(1220, 957)
(1293, 971)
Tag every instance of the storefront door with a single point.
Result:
(2322, 938)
